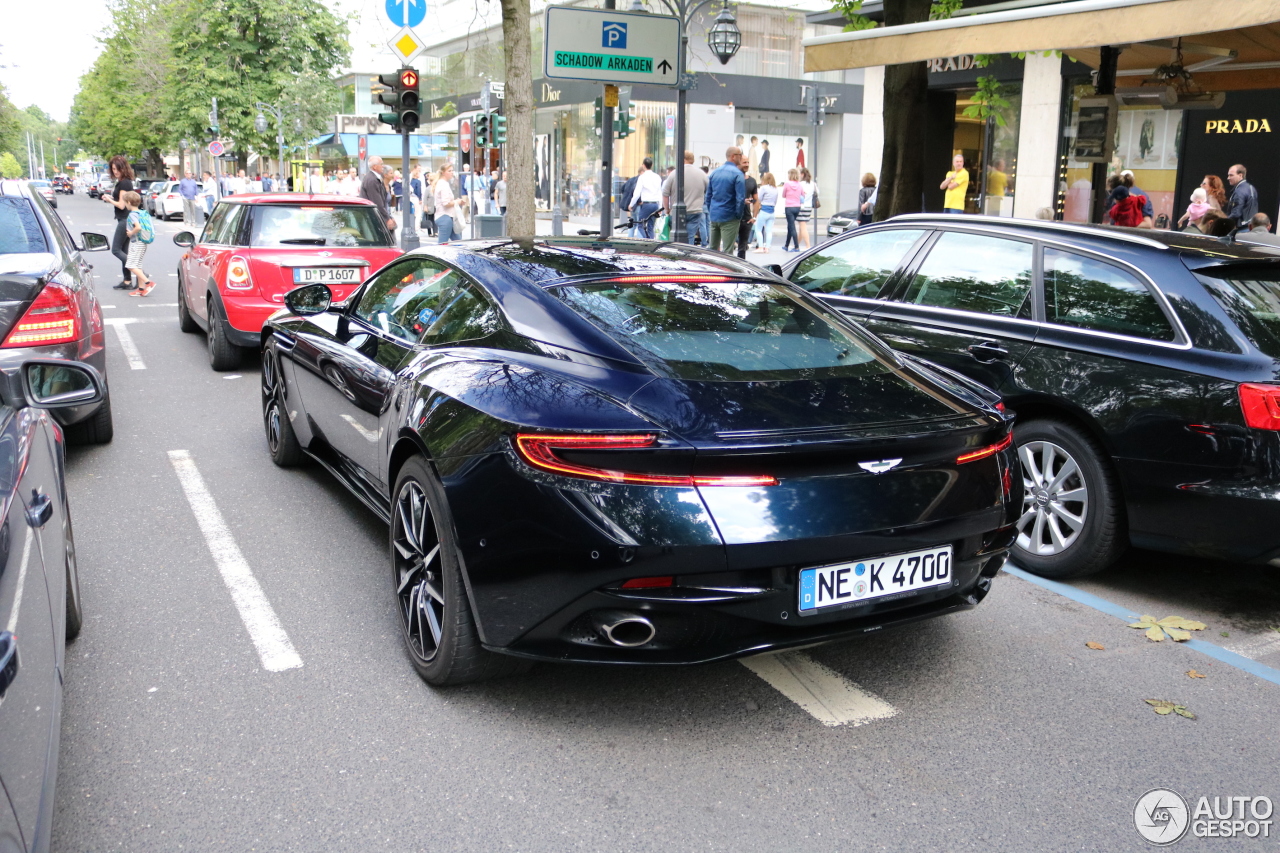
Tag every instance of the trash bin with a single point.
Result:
(490, 226)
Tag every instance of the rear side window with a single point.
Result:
(1252, 299)
(723, 331)
(1087, 293)
(974, 272)
(465, 315)
(20, 231)
(857, 266)
(279, 225)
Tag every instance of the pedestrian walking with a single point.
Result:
(792, 195)
(956, 183)
(1148, 211)
(415, 192)
(428, 221)
(648, 198)
(866, 207)
(1243, 203)
(695, 191)
(122, 174)
(500, 191)
(1127, 211)
(209, 188)
(807, 202)
(1217, 193)
(374, 189)
(315, 183)
(141, 232)
(726, 193)
(750, 207)
(767, 194)
(448, 207)
(189, 189)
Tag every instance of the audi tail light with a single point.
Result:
(1261, 405)
(238, 274)
(51, 319)
(540, 451)
(989, 450)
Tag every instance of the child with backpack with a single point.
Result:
(1127, 211)
(141, 233)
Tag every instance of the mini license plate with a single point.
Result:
(851, 583)
(326, 275)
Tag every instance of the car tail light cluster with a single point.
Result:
(51, 319)
(1261, 405)
(238, 274)
(989, 450)
(540, 451)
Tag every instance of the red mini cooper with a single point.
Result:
(256, 248)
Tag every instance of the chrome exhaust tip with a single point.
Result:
(623, 629)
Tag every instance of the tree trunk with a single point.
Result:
(517, 106)
(905, 89)
(155, 163)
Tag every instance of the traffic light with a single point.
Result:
(390, 96)
(401, 94)
(811, 104)
(499, 129)
(624, 125)
(480, 130)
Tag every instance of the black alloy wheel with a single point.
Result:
(282, 441)
(98, 428)
(435, 616)
(223, 355)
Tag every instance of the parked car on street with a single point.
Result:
(255, 248)
(636, 453)
(101, 187)
(841, 222)
(40, 607)
(48, 307)
(45, 189)
(1144, 367)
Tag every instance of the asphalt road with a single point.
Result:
(995, 729)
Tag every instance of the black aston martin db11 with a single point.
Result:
(637, 453)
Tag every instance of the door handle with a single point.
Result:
(988, 351)
(8, 660)
(40, 510)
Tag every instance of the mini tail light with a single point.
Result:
(51, 319)
(1261, 405)
(540, 452)
(989, 450)
(238, 274)
(650, 583)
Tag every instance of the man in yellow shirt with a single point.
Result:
(956, 183)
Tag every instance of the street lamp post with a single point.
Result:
(260, 125)
(724, 38)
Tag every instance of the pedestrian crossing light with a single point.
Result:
(481, 130)
(499, 129)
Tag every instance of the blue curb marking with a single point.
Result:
(1102, 605)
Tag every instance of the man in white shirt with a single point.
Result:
(350, 184)
(315, 182)
(647, 198)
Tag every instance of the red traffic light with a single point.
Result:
(408, 78)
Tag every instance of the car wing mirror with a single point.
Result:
(93, 242)
(776, 269)
(57, 384)
(309, 300)
(185, 239)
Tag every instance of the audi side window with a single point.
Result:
(1087, 293)
(406, 299)
(858, 265)
(974, 272)
(465, 315)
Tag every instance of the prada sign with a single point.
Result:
(361, 124)
(1248, 125)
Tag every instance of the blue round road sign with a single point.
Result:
(407, 13)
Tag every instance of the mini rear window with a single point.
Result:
(1251, 297)
(284, 226)
(20, 231)
(723, 331)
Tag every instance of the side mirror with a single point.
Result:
(776, 269)
(93, 242)
(185, 239)
(308, 300)
(55, 384)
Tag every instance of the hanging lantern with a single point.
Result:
(724, 37)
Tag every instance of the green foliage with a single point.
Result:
(9, 166)
(988, 102)
(944, 9)
(852, 12)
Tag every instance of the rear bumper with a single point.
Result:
(244, 318)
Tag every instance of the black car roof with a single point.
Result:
(553, 260)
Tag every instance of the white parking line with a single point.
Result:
(127, 346)
(830, 697)
(22, 582)
(260, 620)
(1257, 646)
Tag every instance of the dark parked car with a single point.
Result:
(636, 453)
(39, 590)
(841, 222)
(1143, 367)
(48, 308)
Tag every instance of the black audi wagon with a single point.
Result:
(1144, 368)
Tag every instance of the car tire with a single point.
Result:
(75, 610)
(282, 441)
(1072, 523)
(440, 636)
(186, 322)
(223, 355)
(98, 428)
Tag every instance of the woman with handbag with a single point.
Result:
(807, 204)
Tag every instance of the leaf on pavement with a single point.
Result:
(1164, 708)
(1175, 626)
(1179, 622)
(1095, 646)
(1156, 634)
(1191, 673)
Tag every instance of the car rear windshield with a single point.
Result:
(1251, 297)
(20, 231)
(286, 226)
(723, 331)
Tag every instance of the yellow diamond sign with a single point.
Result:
(406, 44)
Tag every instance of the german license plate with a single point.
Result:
(853, 583)
(326, 275)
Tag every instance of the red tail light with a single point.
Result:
(990, 450)
(51, 319)
(650, 583)
(540, 452)
(238, 274)
(1261, 405)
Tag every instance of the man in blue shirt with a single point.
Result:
(189, 189)
(1243, 203)
(726, 191)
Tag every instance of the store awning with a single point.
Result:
(1072, 27)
